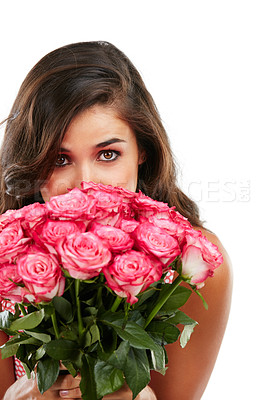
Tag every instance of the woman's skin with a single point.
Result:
(189, 369)
(100, 147)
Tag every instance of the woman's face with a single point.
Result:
(98, 147)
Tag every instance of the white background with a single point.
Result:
(204, 63)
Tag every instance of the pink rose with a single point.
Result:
(106, 195)
(6, 218)
(126, 195)
(169, 223)
(128, 225)
(83, 255)
(108, 208)
(115, 239)
(54, 230)
(104, 217)
(70, 205)
(199, 258)
(41, 275)
(146, 207)
(131, 273)
(8, 278)
(32, 213)
(32, 216)
(107, 201)
(210, 251)
(91, 187)
(112, 203)
(166, 224)
(12, 242)
(156, 241)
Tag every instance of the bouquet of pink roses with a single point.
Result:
(87, 271)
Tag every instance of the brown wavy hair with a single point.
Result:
(63, 84)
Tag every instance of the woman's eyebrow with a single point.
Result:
(64, 150)
(102, 144)
(110, 141)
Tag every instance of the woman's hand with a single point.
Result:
(66, 387)
(122, 394)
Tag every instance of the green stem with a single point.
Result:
(99, 296)
(54, 321)
(116, 304)
(163, 300)
(22, 309)
(99, 292)
(202, 298)
(72, 291)
(80, 322)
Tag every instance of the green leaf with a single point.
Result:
(9, 351)
(64, 308)
(145, 296)
(15, 339)
(88, 320)
(70, 332)
(108, 378)
(21, 353)
(108, 341)
(119, 356)
(91, 310)
(87, 383)
(133, 333)
(186, 333)
(137, 370)
(43, 337)
(95, 333)
(11, 347)
(176, 300)
(71, 369)
(30, 321)
(39, 353)
(48, 309)
(27, 370)
(26, 353)
(181, 318)
(87, 340)
(163, 332)
(113, 317)
(6, 319)
(158, 360)
(136, 317)
(47, 373)
(61, 349)
(31, 340)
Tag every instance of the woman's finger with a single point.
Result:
(125, 394)
(66, 382)
(70, 394)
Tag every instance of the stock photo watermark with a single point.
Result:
(220, 191)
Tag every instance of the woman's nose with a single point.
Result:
(86, 173)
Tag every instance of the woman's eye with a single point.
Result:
(62, 160)
(108, 155)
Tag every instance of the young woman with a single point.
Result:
(83, 113)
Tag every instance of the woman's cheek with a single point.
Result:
(124, 175)
(54, 187)
(127, 180)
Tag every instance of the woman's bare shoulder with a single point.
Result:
(189, 369)
(224, 272)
